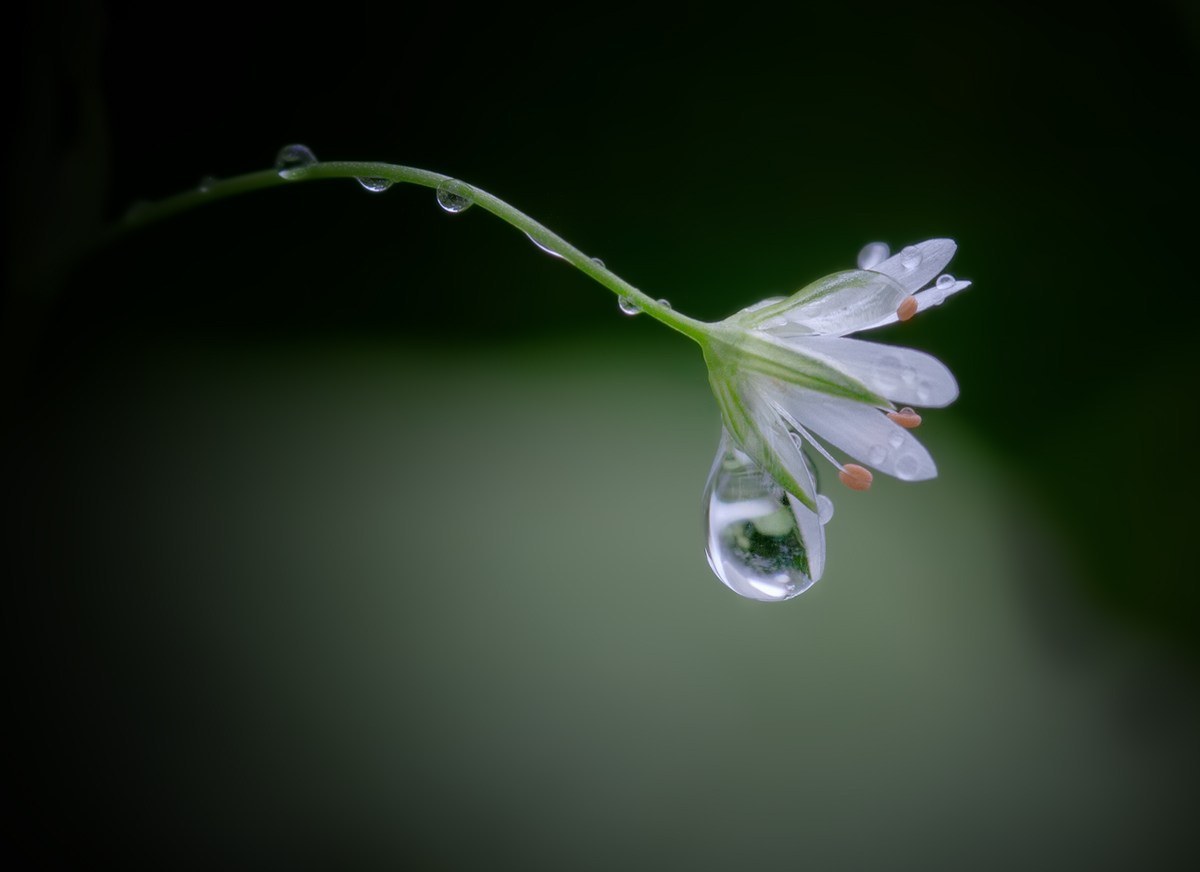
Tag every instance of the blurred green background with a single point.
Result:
(344, 532)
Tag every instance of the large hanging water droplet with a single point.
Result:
(628, 306)
(293, 160)
(761, 543)
(549, 251)
(374, 184)
(873, 254)
(455, 196)
(206, 184)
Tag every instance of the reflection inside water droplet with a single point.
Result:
(762, 543)
(374, 184)
(455, 196)
(292, 160)
(628, 306)
(873, 254)
(944, 281)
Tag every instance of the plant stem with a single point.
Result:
(218, 190)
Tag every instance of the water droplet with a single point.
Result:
(896, 440)
(824, 509)
(549, 251)
(293, 160)
(944, 281)
(759, 541)
(374, 184)
(910, 258)
(628, 306)
(908, 374)
(207, 183)
(873, 254)
(924, 390)
(455, 196)
(907, 467)
(666, 303)
(876, 455)
(599, 262)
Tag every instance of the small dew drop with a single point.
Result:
(873, 254)
(293, 160)
(877, 455)
(824, 509)
(944, 282)
(206, 184)
(549, 251)
(628, 306)
(374, 184)
(599, 263)
(908, 374)
(455, 196)
(666, 303)
(910, 258)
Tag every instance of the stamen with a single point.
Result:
(906, 417)
(907, 309)
(855, 477)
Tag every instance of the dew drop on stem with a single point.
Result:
(374, 184)
(293, 160)
(455, 196)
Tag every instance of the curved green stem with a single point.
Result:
(217, 190)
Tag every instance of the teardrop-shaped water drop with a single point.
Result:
(549, 251)
(206, 184)
(599, 263)
(873, 254)
(824, 509)
(293, 160)
(628, 306)
(910, 258)
(944, 281)
(374, 184)
(455, 196)
(762, 543)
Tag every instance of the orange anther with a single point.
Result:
(907, 309)
(855, 477)
(906, 417)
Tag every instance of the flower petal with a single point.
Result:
(900, 374)
(915, 266)
(862, 431)
(837, 304)
(925, 300)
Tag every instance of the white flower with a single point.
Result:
(783, 373)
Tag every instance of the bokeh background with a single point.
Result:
(342, 532)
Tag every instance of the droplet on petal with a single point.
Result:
(906, 417)
(761, 542)
(944, 281)
(824, 509)
(907, 309)
(910, 257)
(856, 477)
(873, 254)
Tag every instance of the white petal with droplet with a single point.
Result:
(900, 374)
(925, 300)
(915, 266)
(835, 305)
(862, 431)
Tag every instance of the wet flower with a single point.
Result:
(784, 373)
